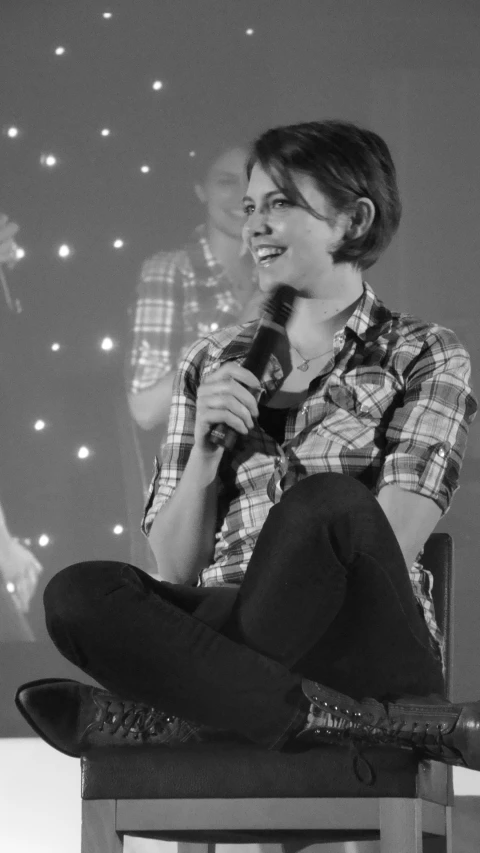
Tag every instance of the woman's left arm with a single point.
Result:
(412, 517)
(425, 441)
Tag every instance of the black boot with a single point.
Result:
(436, 728)
(74, 718)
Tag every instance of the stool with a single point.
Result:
(208, 794)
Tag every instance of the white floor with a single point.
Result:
(40, 802)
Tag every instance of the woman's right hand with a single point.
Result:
(8, 231)
(222, 398)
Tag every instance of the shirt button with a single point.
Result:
(442, 449)
(277, 460)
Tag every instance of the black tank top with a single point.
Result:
(273, 421)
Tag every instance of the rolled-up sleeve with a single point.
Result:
(427, 435)
(180, 434)
(157, 323)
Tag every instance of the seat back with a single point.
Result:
(438, 560)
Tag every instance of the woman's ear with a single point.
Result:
(361, 219)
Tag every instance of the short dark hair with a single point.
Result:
(347, 162)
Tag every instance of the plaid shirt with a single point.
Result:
(391, 407)
(182, 296)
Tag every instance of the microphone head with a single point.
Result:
(279, 305)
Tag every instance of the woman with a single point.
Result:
(290, 583)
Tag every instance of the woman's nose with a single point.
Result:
(258, 223)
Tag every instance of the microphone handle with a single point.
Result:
(255, 361)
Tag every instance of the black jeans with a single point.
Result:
(326, 595)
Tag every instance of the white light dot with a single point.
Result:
(105, 131)
(157, 85)
(192, 153)
(64, 251)
(10, 587)
(12, 132)
(118, 529)
(39, 425)
(249, 32)
(144, 169)
(48, 160)
(43, 540)
(59, 51)
(118, 244)
(107, 15)
(83, 452)
(19, 253)
(107, 344)
(55, 347)
(213, 327)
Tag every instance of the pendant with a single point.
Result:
(303, 367)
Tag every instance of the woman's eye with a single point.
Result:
(280, 202)
(248, 209)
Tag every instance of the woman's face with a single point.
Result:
(222, 192)
(289, 244)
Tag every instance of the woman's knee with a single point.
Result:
(78, 586)
(330, 492)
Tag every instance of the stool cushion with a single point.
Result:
(230, 770)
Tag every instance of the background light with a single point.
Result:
(83, 452)
(118, 244)
(12, 132)
(48, 160)
(107, 344)
(43, 540)
(107, 15)
(157, 85)
(19, 253)
(145, 169)
(55, 347)
(105, 131)
(118, 529)
(64, 251)
(59, 51)
(39, 425)
(249, 32)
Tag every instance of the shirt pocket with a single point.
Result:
(359, 408)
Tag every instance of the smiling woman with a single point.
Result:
(295, 554)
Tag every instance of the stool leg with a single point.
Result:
(400, 825)
(99, 833)
(189, 847)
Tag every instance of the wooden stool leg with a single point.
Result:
(188, 847)
(99, 834)
(400, 825)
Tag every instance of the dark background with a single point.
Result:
(410, 71)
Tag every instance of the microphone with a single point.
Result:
(271, 329)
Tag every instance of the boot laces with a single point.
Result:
(127, 718)
(363, 729)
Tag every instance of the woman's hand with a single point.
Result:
(222, 398)
(8, 231)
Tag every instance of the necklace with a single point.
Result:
(306, 361)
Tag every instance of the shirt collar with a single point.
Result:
(370, 319)
(201, 256)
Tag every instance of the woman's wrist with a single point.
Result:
(205, 464)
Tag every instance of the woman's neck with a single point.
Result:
(318, 319)
(227, 249)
